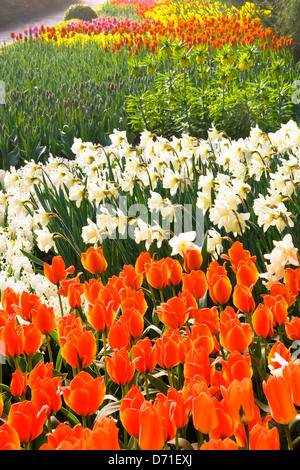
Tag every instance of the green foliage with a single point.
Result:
(80, 12)
(119, 12)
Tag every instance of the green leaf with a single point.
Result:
(158, 384)
(70, 416)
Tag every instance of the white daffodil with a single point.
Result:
(44, 239)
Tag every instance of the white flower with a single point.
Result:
(183, 242)
(44, 239)
(76, 193)
(278, 370)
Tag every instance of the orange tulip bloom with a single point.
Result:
(130, 298)
(46, 391)
(32, 339)
(243, 299)
(168, 349)
(173, 313)
(151, 434)
(192, 260)
(143, 356)
(292, 329)
(65, 438)
(94, 261)
(130, 278)
(237, 367)
(201, 336)
(226, 424)
(78, 348)
(91, 289)
(262, 321)
(239, 400)
(18, 384)
(142, 259)
(27, 419)
(157, 274)
(210, 317)
(105, 434)
(247, 273)
(75, 291)
(119, 367)
(28, 304)
(9, 300)
(166, 409)
(204, 414)
(220, 444)
(175, 271)
(237, 254)
(119, 334)
(12, 338)
(84, 394)
(278, 394)
(57, 272)
(44, 319)
(41, 370)
(135, 322)
(101, 315)
(9, 439)
(181, 413)
(291, 373)
(262, 438)
(279, 308)
(196, 283)
(129, 410)
(197, 363)
(292, 280)
(281, 289)
(235, 335)
(219, 285)
(280, 349)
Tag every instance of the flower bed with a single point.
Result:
(147, 319)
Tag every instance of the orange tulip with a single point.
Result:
(237, 254)
(278, 307)
(9, 439)
(157, 273)
(201, 335)
(226, 424)
(279, 349)
(220, 444)
(84, 394)
(27, 419)
(173, 313)
(262, 438)
(91, 290)
(204, 414)
(12, 338)
(175, 269)
(105, 434)
(151, 434)
(109, 293)
(130, 278)
(66, 324)
(236, 367)
(57, 272)
(210, 317)
(142, 259)
(28, 304)
(119, 367)
(166, 409)
(130, 298)
(44, 319)
(192, 260)
(65, 438)
(197, 363)
(143, 356)
(235, 335)
(46, 391)
(292, 280)
(278, 394)
(18, 384)
(291, 373)
(32, 339)
(129, 410)
(78, 348)
(75, 291)
(93, 260)
(247, 273)
(1, 405)
(243, 299)
(219, 285)
(101, 315)
(168, 349)
(181, 413)
(196, 283)
(41, 370)
(278, 288)
(292, 329)
(119, 334)
(9, 300)
(262, 321)
(239, 400)
(135, 322)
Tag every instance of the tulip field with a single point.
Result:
(149, 236)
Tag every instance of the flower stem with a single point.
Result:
(288, 436)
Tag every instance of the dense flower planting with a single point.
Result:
(184, 346)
